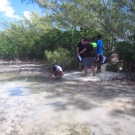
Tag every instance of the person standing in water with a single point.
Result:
(93, 42)
(99, 53)
(88, 56)
(80, 47)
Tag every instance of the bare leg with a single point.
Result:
(80, 65)
(99, 66)
(93, 70)
(85, 69)
(95, 64)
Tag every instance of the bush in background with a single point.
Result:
(114, 67)
(126, 54)
(60, 57)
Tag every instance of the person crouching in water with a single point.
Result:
(56, 72)
(88, 56)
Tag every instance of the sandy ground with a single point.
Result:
(32, 105)
(103, 76)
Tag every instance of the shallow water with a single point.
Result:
(35, 105)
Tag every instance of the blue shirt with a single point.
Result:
(99, 47)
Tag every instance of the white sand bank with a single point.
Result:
(103, 76)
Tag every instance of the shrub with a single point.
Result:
(126, 55)
(114, 67)
(125, 51)
(60, 57)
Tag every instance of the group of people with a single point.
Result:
(89, 53)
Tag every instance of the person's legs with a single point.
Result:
(85, 64)
(95, 63)
(85, 70)
(99, 63)
(98, 66)
(93, 70)
(92, 59)
(89, 62)
(95, 59)
(80, 65)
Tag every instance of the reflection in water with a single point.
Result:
(17, 91)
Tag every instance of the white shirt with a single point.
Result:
(58, 68)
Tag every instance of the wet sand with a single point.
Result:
(31, 104)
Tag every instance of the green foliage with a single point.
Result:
(113, 18)
(126, 52)
(55, 38)
(24, 39)
(126, 55)
(112, 67)
(59, 56)
(63, 25)
(19, 39)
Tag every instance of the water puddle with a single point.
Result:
(34, 105)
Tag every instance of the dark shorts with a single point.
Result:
(100, 58)
(88, 61)
(81, 57)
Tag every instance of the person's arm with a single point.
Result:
(83, 51)
(51, 75)
(61, 74)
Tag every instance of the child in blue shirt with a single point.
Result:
(99, 53)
